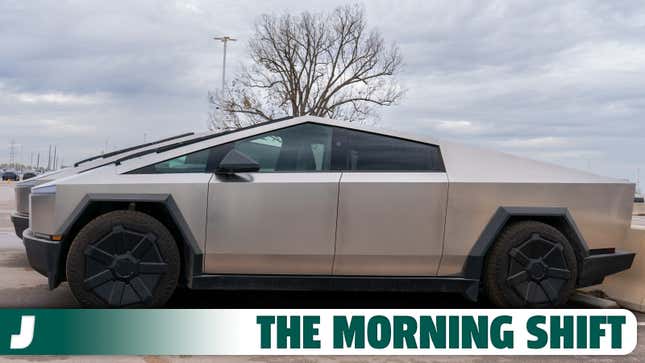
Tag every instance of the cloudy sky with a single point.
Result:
(561, 82)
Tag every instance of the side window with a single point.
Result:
(363, 151)
(196, 162)
(305, 147)
(265, 150)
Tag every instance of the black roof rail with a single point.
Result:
(131, 148)
(197, 139)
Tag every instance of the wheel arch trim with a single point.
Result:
(474, 265)
(192, 256)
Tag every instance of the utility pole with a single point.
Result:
(12, 153)
(49, 158)
(224, 39)
(54, 158)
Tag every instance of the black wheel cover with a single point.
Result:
(537, 270)
(124, 267)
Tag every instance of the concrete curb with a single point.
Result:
(593, 301)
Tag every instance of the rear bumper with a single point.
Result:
(44, 257)
(20, 223)
(603, 262)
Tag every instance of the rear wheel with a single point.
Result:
(531, 264)
(123, 258)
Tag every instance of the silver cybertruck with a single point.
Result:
(315, 204)
(22, 190)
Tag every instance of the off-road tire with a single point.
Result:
(531, 265)
(130, 256)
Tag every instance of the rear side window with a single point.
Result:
(364, 151)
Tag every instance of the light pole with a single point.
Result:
(54, 158)
(224, 39)
(12, 154)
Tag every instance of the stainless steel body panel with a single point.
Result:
(22, 198)
(390, 223)
(481, 181)
(45, 218)
(273, 223)
(189, 191)
(22, 189)
(596, 209)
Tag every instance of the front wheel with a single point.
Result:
(531, 265)
(123, 259)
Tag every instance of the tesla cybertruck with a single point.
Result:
(315, 204)
(20, 217)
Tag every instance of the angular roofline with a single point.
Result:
(266, 127)
(370, 129)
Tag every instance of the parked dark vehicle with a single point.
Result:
(28, 175)
(10, 175)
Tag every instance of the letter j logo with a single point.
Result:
(26, 335)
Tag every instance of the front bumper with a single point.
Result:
(44, 256)
(601, 263)
(20, 223)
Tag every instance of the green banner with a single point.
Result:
(316, 332)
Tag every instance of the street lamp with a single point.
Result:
(224, 39)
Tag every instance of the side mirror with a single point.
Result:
(237, 162)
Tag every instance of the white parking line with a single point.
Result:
(638, 221)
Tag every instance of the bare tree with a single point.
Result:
(328, 65)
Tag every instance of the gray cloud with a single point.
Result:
(556, 81)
